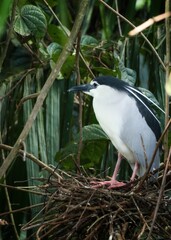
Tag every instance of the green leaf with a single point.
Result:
(88, 40)
(54, 49)
(68, 67)
(105, 71)
(53, 121)
(57, 34)
(92, 136)
(32, 138)
(127, 74)
(4, 11)
(30, 20)
(93, 132)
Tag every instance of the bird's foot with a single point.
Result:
(111, 184)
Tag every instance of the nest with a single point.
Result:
(72, 209)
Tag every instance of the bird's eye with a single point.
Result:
(95, 84)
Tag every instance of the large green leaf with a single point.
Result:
(93, 132)
(32, 139)
(30, 20)
(4, 11)
(126, 74)
(88, 40)
(93, 138)
(57, 34)
(54, 49)
(52, 119)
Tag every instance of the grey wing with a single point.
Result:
(141, 141)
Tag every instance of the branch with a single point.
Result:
(148, 23)
(153, 157)
(34, 159)
(24, 99)
(44, 91)
(167, 59)
(160, 194)
(16, 85)
(80, 103)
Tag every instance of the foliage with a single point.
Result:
(31, 42)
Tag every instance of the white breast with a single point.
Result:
(110, 111)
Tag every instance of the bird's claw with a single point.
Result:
(112, 184)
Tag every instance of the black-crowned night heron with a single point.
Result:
(123, 113)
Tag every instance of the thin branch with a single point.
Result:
(118, 19)
(140, 213)
(80, 102)
(11, 214)
(167, 27)
(44, 91)
(167, 155)
(148, 23)
(34, 159)
(24, 99)
(22, 209)
(24, 189)
(131, 24)
(160, 194)
(153, 157)
(33, 53)
(13, 88)
(65, 30)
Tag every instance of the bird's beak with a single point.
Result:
(81, 88)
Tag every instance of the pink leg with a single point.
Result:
(118, 163)
(113, 183)
(134, 173)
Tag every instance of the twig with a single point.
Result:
(160, 194)
(23, 189)
(118, 19)
(24, 99)
(80, 102)
(12, 89)
(144, 151)
(11, 213)
(22, 209)
(44, 91)
(65, 30)
(148, 23)
(8, 198)
(34, 159)
(153, 157)
(167, 60)
(141, 215)
(33, 53)
(27, 224)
